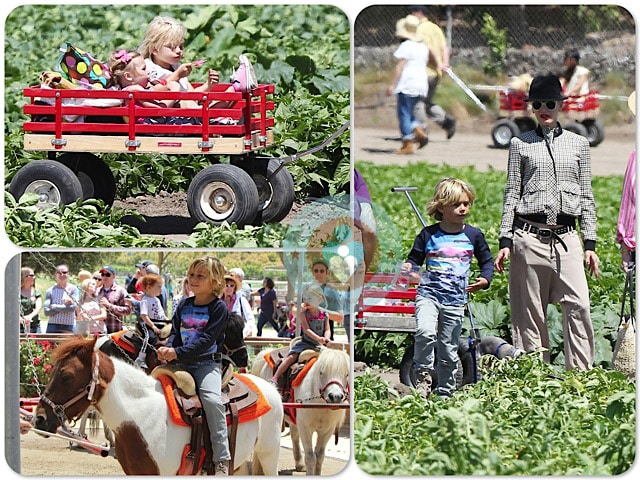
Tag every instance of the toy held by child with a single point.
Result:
(447, 249)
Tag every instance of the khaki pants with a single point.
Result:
(542, 272)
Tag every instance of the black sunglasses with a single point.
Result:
(105, 274)
(537, 105)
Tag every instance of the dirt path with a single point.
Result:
(52, 457)
(472, 145)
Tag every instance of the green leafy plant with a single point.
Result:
(35, 366)
(312, 95)
(525, 417)
(498, 43)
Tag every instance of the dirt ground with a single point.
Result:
(375, 136)
(52, 457)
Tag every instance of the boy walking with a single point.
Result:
(446, 248)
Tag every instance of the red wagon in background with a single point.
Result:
(515, 117)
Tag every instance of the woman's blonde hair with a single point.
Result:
(449, 191)
(24, 273)
(85, 288)
(216, 272)
(162, 31)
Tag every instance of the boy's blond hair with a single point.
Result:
(449, 191)
(162, 31)
(216, 272)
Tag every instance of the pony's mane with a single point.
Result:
(71, 347)
(335, 361)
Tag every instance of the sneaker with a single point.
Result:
(244, 79)
(221, 468)
(423, 383)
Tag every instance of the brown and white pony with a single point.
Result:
(326, 382)
(132, 404)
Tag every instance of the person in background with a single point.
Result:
(548, 191)
(332, 302)
(152, 315)
(83, 275)
(575, 78)
(164, 293)
(268, 305)
(236, 303)
(314, 323)
(197, 335)
(60, 303)
(433, 37)
(409, 82)
(446, 248)
(245, 287)
(185, 292)
(90, 315)
(626, 227)
(112, 297)
(30, 302)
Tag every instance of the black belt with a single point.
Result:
(554, 232)
(216, 357)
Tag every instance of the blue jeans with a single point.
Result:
(59, 328)
(406, 105)
(208, 377)
(438, 328)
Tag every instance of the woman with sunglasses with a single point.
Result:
(548, 194)
(30, 302)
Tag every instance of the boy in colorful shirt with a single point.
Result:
(446, 248)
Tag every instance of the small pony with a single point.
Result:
(324, 379)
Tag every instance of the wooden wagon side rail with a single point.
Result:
(96, 120)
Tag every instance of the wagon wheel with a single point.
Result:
(54, 183)
(95, 176)
(408, 375)
(276, 193)
(222, 193)
(595, 131)
(503, 131)
(576, 127)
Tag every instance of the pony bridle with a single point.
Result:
(229, 352)
(88, 391)
(345, 390)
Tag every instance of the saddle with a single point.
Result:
(183, 400)
(286, 381)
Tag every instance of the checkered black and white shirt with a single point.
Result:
(529, 168)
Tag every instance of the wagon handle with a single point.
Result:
(406, 191)
(293, 158)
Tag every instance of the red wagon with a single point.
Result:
(72, 126)
(515, 117)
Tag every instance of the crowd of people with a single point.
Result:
(95, 304)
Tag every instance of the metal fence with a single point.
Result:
(557, 26)
(537, 36)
